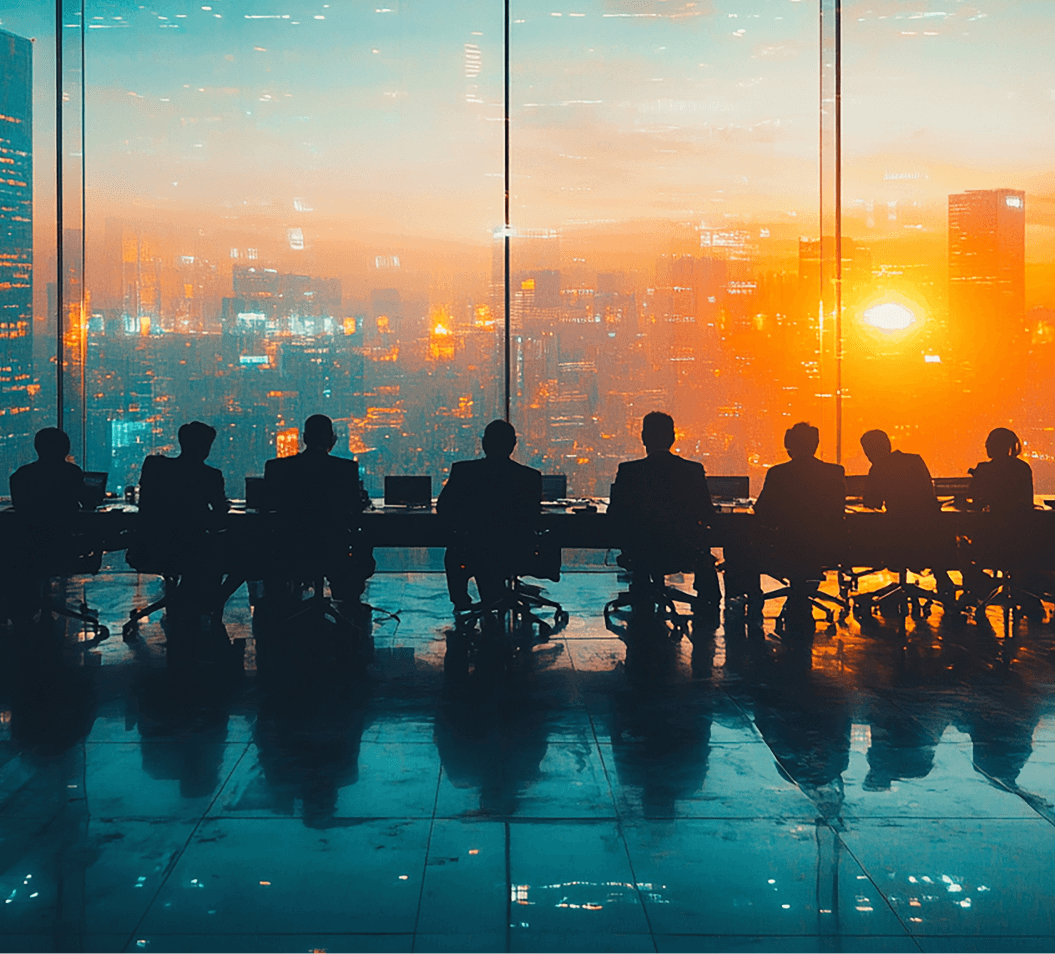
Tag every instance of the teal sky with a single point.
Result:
(384, 116)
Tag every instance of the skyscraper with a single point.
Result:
(16, 248)
(987, 271)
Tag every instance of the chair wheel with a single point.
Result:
(103, 634)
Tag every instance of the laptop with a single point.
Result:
(952, 486)
(855, 485)
(554, 487)
(401, 491)
(728, 489)
(95, 483)
(255, 497)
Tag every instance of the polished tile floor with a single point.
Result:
(878, 791)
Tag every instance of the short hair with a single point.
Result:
(802, 438)
(196, 436)
(318, 431)
(51, 444)
(875, 440)
(657, 430)
(1003, 442)
(500, 437)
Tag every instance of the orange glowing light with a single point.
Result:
(440, 330)
(287, 442)
(890, 316)
(349, 325)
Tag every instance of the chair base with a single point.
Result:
(657, 600)
(518, 604)
(907, 599)
(1012, 598)
(84, 614)
(805, 595)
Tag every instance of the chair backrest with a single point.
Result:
(255, 494)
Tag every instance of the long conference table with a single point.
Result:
(581, 527)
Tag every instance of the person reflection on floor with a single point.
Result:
(488, 742)
(806, 722)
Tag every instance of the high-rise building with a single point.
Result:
(16, 248)
(987, 270)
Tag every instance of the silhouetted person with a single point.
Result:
(800, 512)
(180, 501)
(662, 506)
(319, 498)
(47, 495)
(901, 484)
(492, 504)
(51, 489)
(1003, 484)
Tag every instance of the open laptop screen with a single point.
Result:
(408, 491)
(729, 488)
(95, 482)
(554, 487)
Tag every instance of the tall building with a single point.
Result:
(987, 271)
(16, 248)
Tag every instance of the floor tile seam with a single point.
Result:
(875, 884)
(637, 885)
(428, 850)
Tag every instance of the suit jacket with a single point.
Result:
(180, 493)
(489, 498)
(48, 493)
(313, 487)
(805, 497)
(903, 483)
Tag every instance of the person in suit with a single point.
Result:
(319, 498)
(662, 505)
(180, 501)
(51, 488)
(901, 484)
(46, 495)
(800, 512)
(492, 505)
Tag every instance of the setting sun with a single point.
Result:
(890, 316)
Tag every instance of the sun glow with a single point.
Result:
(889, 316)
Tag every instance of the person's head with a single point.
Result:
(51, 444)
(875, 444)
(499, 439)
(657, 431)
(195, 439)
(1002, 442)
(801, 440)
(318, 433)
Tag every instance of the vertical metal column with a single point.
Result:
(508, 374)
(84, 262)
(59, 266)
(838, 231)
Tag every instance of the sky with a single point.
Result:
(384, 117)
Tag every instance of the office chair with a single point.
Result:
(1010, 556)
(131, 627)
(62, 556)
(520, 602)
(783, 560)
(650, 562)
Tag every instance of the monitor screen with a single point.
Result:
(855, 484)
(729, 488)
(95, 482)
(408, 491)
(554, 487)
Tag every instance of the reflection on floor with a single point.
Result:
(873, 791)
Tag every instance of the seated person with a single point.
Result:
(1002, 486)
(492, 504)
(50, 489)
(800, 510)
(320, 497)
(46, 495)
(901, 483)
(663, 506)
(180, 499)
